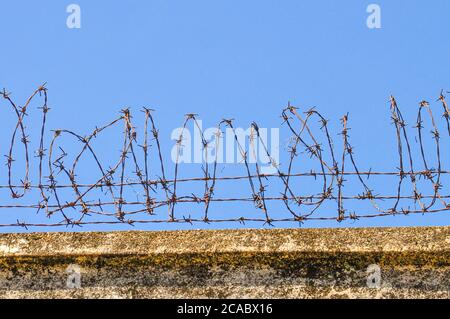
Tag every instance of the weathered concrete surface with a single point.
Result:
(276, 263)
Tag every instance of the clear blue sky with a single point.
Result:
(229, 59)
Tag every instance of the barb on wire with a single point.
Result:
(290, 193)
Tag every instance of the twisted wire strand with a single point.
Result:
(76, 204)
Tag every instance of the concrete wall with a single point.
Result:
(276, 263)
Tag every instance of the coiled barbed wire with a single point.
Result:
(79, 208)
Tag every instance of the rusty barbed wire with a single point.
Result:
(142, 165)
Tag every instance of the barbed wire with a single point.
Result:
(72, 203)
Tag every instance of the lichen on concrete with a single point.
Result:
(279, 263)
